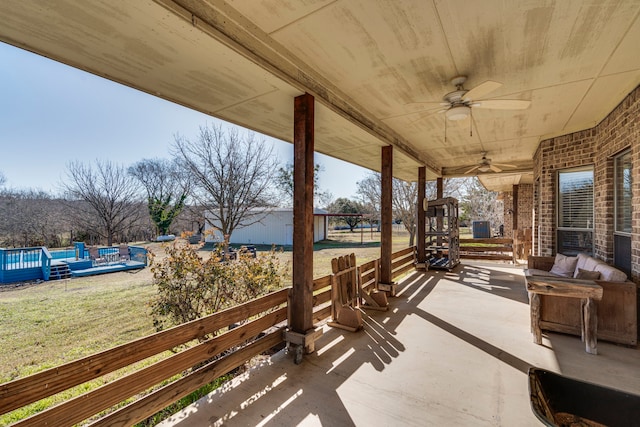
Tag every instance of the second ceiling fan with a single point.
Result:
(485, 165)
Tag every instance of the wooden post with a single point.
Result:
(514, 216)
(386, 209)
(421, 220)
(439, 211)
(301, 319)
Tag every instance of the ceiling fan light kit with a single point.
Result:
(458, 112)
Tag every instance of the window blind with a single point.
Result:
(575, 199)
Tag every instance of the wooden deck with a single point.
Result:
(108, 268)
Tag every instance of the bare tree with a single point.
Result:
(478, 203)
(109, 196)
(284, 180)
(167, 187)
(32, 218)
(233, 175)
(404, 197)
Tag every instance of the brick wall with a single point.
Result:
(597, 146)
(525, 209)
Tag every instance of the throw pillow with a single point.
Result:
(587, 275)
(564, 265)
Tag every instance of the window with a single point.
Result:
(622, 204)
(575, 211)
(622, 179)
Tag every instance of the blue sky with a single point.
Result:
(51, 114)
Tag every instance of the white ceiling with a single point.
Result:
(378, 68)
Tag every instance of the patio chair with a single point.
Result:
(94, 255)
(123, 251)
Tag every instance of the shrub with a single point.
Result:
(190, 287)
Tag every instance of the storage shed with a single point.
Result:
(275, 228)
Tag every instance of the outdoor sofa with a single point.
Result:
(617, 310)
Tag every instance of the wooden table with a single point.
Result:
(587, 290)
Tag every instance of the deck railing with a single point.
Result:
(23, 264)
(265, 317)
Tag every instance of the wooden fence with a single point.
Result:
(496, 249)
(226, 351)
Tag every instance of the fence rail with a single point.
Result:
(495, 249)
(229, 349)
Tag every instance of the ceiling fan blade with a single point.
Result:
(472, 169)
(495, 168)
(503, 104)
(505, 165)
(481, 90)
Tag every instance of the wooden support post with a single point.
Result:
(514, 216)
(421, 220)
(439, 211)
(386, 220)
(301, 310)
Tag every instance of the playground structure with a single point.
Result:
(38, 263)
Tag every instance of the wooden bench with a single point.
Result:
(586, 290)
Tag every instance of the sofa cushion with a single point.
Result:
(538, 272)
(564, 266)
(609, 273)
(587, 275)
(586, 262)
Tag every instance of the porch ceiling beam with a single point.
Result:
(222, 22)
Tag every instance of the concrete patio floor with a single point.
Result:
(454, 349)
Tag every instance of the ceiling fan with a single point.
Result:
(460, 102)
(485, 165)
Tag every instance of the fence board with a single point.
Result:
(402, 261)
(322, 297)
(322, 313)
(88, 404)
(322, 282)
(160, 399)
(21, 392)
(486, 249)
(402, 270)
(409, 250)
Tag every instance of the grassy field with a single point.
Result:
(51, 323)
